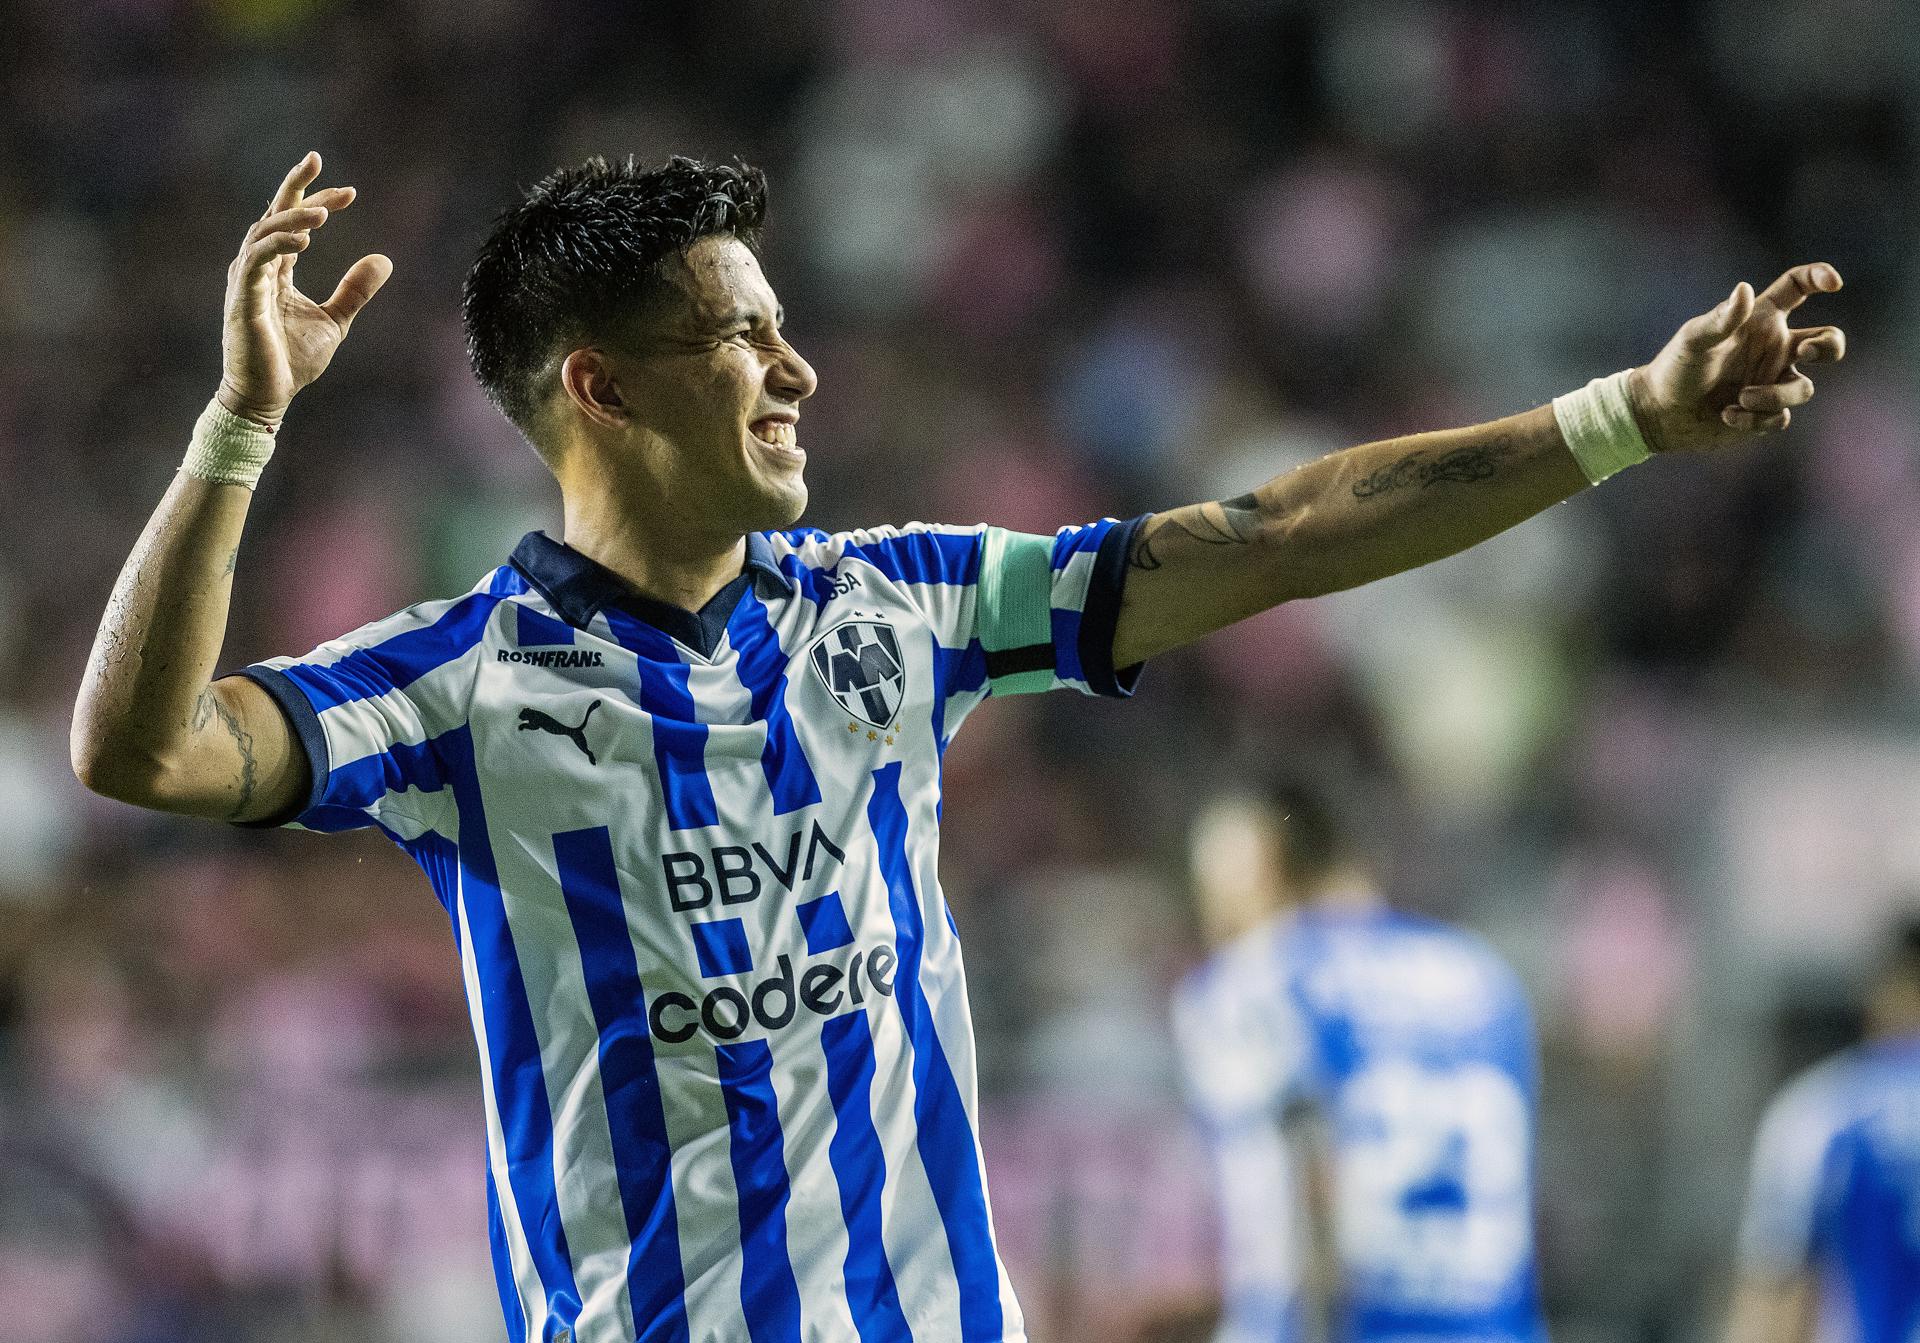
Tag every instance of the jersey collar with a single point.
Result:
(578, 587)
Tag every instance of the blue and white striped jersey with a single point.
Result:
(690, 863)
(1836, 1189)
(1409, 1045)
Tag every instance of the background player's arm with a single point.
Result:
(1320, 1275)
(151, 726)
(1772, 1309)
(1386, 507)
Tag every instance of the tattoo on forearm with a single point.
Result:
(1422, 469)
(1232, 522)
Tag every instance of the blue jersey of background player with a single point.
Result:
(1832, 1228)
(1366, 1079)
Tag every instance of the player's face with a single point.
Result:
(715, 391)
(1233, 857)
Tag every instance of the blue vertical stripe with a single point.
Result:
(513, 1048)
(945, 1133)
(768, 1294)
(956, 671)
(679, 738)
(502, 1256)
(763, 670)
(860, 1168)
(636, 1116)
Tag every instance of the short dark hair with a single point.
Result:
(1315, 840)
(582, 253)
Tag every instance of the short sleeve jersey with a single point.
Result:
(1409, 1047)
(1835, 1189)
(690, 864)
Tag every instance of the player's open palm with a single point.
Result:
(1734, 371)
(277, 340)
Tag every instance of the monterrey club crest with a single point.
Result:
(860, 665)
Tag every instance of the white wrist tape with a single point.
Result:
(1597, 422)
(227, 449)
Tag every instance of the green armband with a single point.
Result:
(1016, 611)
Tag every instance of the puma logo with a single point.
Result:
(532, 720)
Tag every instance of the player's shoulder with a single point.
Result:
(1450, 940)
(436, 627)
(911, 551)
(1820, 1100)
(1253, 966)
(1399, 972)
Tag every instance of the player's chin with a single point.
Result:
(779, 503)
(780, 487)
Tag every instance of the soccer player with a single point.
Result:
(675, 774)
(1365, 1080)
(1832, 1228)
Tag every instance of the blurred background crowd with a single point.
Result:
(1052, 261)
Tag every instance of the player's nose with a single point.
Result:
(790, 377)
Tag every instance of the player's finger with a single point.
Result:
(331, 198)
(1819, 344)
(1714, 326)
(1800, 284)
(297, 180)
(356, 288)
(1767, 398)
(1756, 422)
(274, 244)
(300, 217)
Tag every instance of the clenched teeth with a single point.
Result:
(777, 432)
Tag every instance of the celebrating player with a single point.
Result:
(1365, 1080)
(1833, 1215)
(676, 774)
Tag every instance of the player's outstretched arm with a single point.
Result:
(1386, 507)
(151, 726)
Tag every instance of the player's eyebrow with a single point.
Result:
(744, 317)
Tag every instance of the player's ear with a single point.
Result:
(587, 377)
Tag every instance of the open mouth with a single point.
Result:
(776, 434)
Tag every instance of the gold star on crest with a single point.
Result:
(853, 727)
(889, 741)
(872, 735)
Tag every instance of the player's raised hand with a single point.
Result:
(277, 340)
(1735, 371)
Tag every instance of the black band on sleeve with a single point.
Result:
(1012, 661)
(1101, 615)
(306, 730)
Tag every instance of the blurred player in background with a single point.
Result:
(1366, 1082)
(675, 776)
(1831, 1238)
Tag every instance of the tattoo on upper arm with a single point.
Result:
(1232, 522)
(242, 741)
(1461, 466)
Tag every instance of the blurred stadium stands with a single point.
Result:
(1052, 261)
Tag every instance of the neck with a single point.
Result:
(656, 558)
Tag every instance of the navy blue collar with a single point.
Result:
(578, 587)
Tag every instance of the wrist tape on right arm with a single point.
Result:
(1597, 422)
